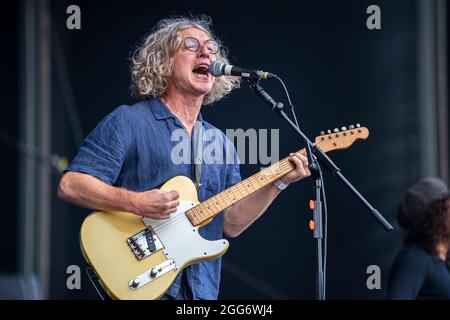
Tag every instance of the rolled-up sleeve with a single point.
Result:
(103, 151)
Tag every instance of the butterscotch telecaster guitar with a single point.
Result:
(139, 258)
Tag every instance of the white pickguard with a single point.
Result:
(181, 240)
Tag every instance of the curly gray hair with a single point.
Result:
(151, 62)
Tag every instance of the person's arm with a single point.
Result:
(90, 177)
(408, 274)
(241, 215)
(89, 192)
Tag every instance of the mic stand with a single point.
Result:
(316, 174)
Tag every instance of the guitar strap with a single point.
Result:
(198, 149)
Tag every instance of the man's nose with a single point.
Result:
(203, 51)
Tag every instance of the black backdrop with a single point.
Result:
(338, 73)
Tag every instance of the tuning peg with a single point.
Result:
(343, 128)
(322, 133)
(358, 125)
(336, 130)
(351, 127)
(328, 131)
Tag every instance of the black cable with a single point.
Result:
(325, 211)
(325, 233)
(92, 276)
(289, 100)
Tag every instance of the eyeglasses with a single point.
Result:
(192, 44)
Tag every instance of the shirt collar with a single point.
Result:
(161, 111)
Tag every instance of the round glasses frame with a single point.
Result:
(192, 44)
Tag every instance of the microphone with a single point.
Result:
(218, 69)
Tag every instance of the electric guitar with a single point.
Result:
(139, 258)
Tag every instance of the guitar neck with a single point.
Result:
(216, 204)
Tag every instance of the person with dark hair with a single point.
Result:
(420, 270)
(417, 197)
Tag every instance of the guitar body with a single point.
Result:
(144, 266)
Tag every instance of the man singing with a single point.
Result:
(129, 154)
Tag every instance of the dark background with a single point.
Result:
(338, 73)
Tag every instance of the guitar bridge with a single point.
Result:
(144, 243)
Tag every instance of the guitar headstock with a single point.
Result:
(341, 138)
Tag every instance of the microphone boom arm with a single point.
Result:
(321, 156)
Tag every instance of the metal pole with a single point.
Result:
(441, 30)
(27, 174)
(44, 127)
(427, 107)
(35, 179)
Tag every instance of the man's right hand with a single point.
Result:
(156, 204)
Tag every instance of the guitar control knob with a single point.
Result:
(336, 130)
(351, 127)
(358, 125)
(328, 131)
(135, 283)
(153, 273)
(343, 128)
(322, 133)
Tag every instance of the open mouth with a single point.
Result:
(201, 71)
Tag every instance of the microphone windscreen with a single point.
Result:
(215, 68)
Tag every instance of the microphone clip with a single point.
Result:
(260, 92)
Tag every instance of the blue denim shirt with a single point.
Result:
(132, 148)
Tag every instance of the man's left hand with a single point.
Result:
(301, 168)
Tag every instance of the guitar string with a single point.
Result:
(240, 187)
(284, 164)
